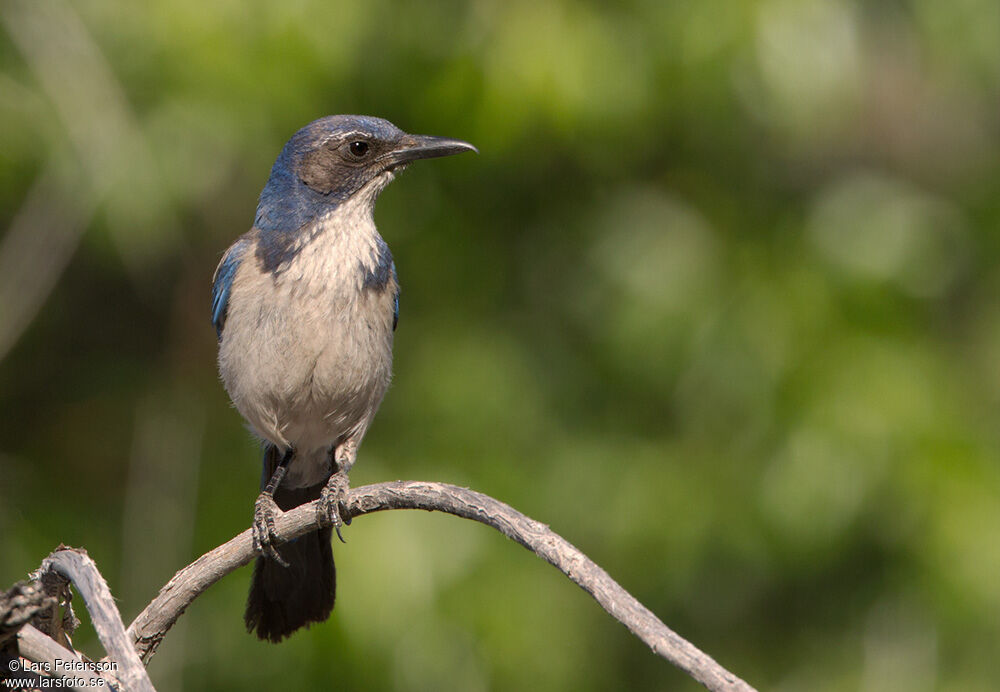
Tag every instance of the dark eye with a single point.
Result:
(359, 148)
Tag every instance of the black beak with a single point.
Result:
(413, 147)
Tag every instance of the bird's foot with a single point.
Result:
(333, 503)
(264, 533)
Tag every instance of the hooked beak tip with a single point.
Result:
(414, 147)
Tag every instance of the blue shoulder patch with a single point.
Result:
(222, 282)
(378, 277)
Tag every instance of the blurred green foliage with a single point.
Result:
(719, 301)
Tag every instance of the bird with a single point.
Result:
(304, 306)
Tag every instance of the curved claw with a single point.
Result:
(271, 552)
(264, 531)
(332, 507)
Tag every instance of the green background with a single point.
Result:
(719, 301)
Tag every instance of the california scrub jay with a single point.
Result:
(305, 306)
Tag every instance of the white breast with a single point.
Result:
(306, 354)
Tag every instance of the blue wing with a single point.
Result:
(395, 299)
(222, 283)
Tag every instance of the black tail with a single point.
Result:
(283, 599)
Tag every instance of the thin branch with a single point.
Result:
(77, 566)
(152, 624)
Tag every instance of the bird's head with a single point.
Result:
(334, 159)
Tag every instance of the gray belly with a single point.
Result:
(307, 370)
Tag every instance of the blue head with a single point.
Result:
(325, 164)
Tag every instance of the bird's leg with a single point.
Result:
(332, 506)
(264, 510)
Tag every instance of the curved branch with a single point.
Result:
(152, 624)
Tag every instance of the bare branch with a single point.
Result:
(77, 566)
(152, 624)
